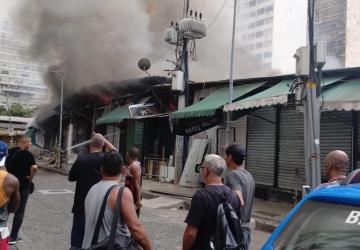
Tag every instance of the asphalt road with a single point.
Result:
(48, 219)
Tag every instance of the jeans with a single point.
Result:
(247, 237)
(19, 214)
(78, 231)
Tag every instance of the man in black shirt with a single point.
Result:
(21, 163)
(201, 219)
(86, 172)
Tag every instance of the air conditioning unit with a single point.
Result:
(171, 35)
(178, 81)
(192, 28)
(302, 57)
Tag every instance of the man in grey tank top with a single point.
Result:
(113, 165)
(242, 183)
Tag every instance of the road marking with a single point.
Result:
(54, 191)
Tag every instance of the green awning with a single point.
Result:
(116, 115)
(277, 94)
(343, 96)
(208, 106)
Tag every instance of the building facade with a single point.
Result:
(338, 23)
(20, 79)
(272, 30)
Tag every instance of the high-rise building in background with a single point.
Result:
(338, 23)
(20, 79)
(272, 30)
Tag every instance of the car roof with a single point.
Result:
(349, 194)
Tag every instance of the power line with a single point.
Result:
(217, 15)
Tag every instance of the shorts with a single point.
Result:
(4, 244)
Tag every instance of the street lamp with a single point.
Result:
(61, 74)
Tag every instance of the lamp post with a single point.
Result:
(231, 81)
(61, 74)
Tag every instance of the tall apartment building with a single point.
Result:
(338, 23)
(20, 79)
(272, 30)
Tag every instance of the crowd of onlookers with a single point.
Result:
(104, 206)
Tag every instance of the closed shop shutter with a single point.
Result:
(291, 149)
(240, 126)
(261, 146)
(335, 133)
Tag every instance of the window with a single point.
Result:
(267, 43)
(259, 56)
(251, 25)
(260, 11)
(259, 34)
(259, 23)
(252, 3)
(260, 1)
(250, 46)
(311, 228)
(251, 36)
(269, 9)
(259, 45)
(5, 72)
(268, 20)
(267, 54)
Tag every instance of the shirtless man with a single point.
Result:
(133, 177)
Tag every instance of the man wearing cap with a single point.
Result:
(9, 197)
(242, 183)
(21, 163)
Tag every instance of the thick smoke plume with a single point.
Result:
(94, 41)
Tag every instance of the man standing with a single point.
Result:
(111, 170)
(201, 219)
(86, 172)
(21, 163)
(242, 183)
(133, 177)
(9, 198)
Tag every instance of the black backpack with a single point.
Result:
(229, 233)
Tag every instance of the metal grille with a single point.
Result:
(335, 133)
(261, 146)
(291, 153)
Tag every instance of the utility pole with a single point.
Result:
(231, 82)
(180, 141)
(313, 106)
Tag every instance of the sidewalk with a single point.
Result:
(265, 217)
(266, 214)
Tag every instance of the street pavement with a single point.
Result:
(48, 220)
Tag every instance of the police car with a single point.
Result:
(326, 218)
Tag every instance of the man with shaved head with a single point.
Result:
(21, 163)
(336, 166)
(86, 172)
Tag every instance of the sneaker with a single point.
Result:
(13, 241)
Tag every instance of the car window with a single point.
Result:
(321, 225)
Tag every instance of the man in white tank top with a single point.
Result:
(111, 170)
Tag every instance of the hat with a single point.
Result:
(3, 152)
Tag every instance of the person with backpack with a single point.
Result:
(242, 183)
(86, 172)
(21, 163)
(203, 218)
(100, 205)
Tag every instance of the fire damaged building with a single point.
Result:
(266, 118)
(129, 113)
